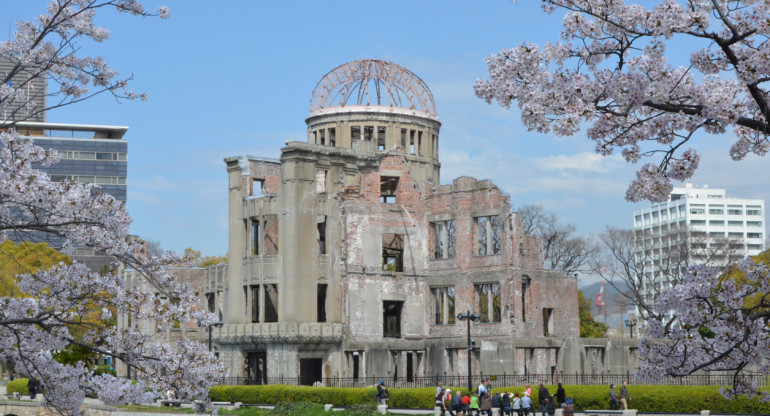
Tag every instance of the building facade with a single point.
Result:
(349, 259)
(89, 153)
(695, 226)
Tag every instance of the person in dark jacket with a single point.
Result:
(456, 405)
(506, 403)
(497, 401)
(561, 395)
(32, 386)
(551, 405)
(613, 398)
(542, 397)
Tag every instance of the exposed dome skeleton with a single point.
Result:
(372, 82)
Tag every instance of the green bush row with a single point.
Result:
(17, 386)
(665, 399)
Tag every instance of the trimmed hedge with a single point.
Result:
(673, 399)
(17, 386)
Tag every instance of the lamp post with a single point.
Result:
(468, 316)
(217, 324)
(631, 324)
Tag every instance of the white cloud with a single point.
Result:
(583, 161)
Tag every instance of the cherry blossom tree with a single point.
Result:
(43, 321)
(715, 328)
(609, 76)
(610, 73)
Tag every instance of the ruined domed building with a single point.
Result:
(350, 259)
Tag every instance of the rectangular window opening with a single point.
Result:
(332, 137)
(525, 282)
(255, 248)
(368, 133)
(488, 302)
(321, 302)
(322, 133)
(256, 187)
(403, 140)
(381, 138)
(548, 322)
(488, 241)
(271, 303)
(443, 239)
(322, 237)
(419, 143)
(255, 303)
(393, 252)
(356, 366)
(411, 142)
(388, 188)
(444, 305)
(391, 318)
(355, 133)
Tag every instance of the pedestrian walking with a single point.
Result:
(624, 396)
(613, 398)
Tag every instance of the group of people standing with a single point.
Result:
(483, 401)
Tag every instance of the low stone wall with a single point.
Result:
(12, 407)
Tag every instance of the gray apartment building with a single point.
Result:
(89, 153)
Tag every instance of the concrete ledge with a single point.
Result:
(382, 409)
(327, 407)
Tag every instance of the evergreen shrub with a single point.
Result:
(17, 386)
(649, 399)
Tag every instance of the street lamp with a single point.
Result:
(468, 316)
(217, 324)
(631, 324)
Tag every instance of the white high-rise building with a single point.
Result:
(695, 226)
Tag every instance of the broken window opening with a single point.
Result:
(255, 249)
(271, 303)
(332, 137)
(256, 370)
(409, 367)
(381, 138)
(547, 322)
(322, 133)
(403, 140)
(419, 143)
(488, 235)
(256, 187)
(356, 366)
(321, 303)
(411, 142)
(488, 302)
(443, 239)
(444, 305)
(391, 318)
(525, 282)
(210, 303)
(270, 237)
(355, 134)
(255, 303)
(393, 252)
(368, 133)
(322, 237)
(320, 181)
(388, 188)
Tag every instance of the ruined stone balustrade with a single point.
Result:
(278, 332)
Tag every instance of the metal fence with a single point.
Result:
(506, 380)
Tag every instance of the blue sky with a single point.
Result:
(235, 77)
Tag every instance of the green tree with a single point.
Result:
(588, 327)
(24, 258)
(203, 261)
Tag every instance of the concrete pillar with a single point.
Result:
(629, 412)
(382, 409)
(327, 407)
(495, 411)
(236, 169)
(704, 413)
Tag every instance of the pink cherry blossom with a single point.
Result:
(609, 77)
